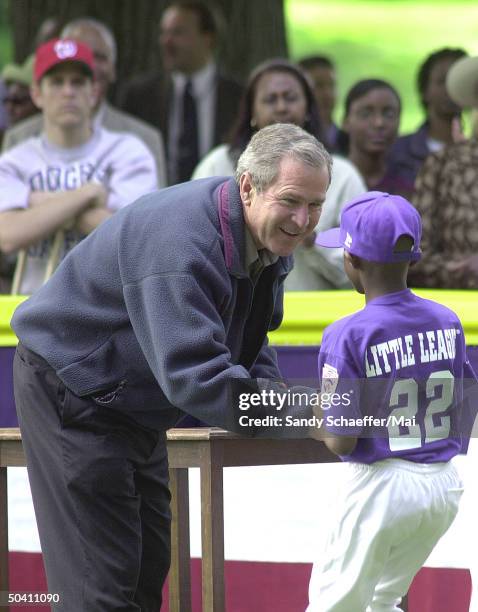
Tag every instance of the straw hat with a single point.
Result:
(462, 82)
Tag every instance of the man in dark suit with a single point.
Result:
(191, 103)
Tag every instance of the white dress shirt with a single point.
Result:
(203, 89)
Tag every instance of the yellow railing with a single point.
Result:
(8, 303)
(306, 314)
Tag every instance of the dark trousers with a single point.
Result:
(99, 484)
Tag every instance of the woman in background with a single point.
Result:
(372, 118)
(278, 92)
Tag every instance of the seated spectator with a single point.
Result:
(17, 99)
(190, 101)
(446, 195)
(409, 152)
(278, 92)
(321, 71)
(372, 117)
(57, 187)
(101, 41)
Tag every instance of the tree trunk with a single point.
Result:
(255, 31)
(249, 36)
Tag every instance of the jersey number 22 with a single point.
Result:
(436, 427)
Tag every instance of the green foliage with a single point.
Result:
(5, 35)
(366, 38)
(385, 39)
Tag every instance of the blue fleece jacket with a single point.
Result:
(156, 307)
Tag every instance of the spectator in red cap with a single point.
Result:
(57, 187)
(99, 37)
(57, 51)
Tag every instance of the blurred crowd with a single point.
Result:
(71, 158)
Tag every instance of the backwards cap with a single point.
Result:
(59, 50)
(371, 225)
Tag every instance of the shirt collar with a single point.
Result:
(257, 259)
(391, 298)
(201, 80)
(99, 116)
(251, 250)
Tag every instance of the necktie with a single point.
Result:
(188, 150)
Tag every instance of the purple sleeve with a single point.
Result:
(340, 383)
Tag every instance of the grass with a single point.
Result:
(386, 39)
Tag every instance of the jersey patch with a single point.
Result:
(330, 378)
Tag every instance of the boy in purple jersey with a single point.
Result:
(393, 377)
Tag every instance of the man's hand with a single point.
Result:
(92, 195)
(340, 445)
(96, 194)
(46, 213)
(317, 433)
(89, 219)
(89, 194)
(97, 212)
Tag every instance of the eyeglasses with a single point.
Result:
(16, 100)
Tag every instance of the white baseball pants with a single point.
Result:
(389, 517)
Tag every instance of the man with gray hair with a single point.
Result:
(101, 41)
(169, 306)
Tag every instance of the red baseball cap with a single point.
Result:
(59, 50)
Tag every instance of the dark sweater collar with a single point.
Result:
(231, 219)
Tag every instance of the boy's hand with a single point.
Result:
(317, 433)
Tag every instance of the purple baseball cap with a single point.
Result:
(370, 226)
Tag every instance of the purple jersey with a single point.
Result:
(394, 373)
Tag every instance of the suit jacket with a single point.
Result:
(114, 120)
(149, 96)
